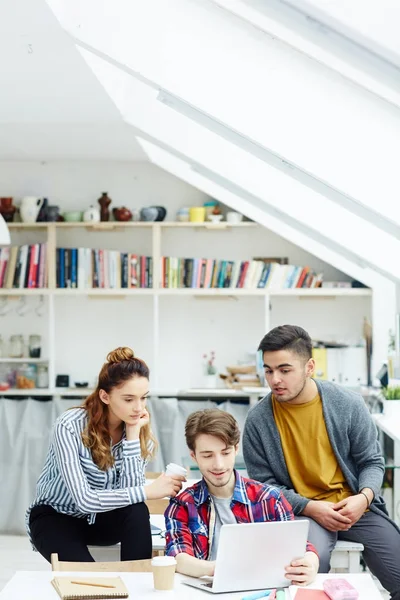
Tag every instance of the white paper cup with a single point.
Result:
(163, 568)
(173, 469)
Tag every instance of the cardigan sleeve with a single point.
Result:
(365, 448)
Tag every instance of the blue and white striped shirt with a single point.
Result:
(73, 484)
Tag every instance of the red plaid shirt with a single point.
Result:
(187, 517)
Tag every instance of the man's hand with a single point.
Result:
(194, 567)
(304, 570)
(352, 507)
(210, 568)
(326, 515)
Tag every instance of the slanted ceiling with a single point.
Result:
(52, 107)
(270, 106)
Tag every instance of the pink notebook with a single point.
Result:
(310, 595)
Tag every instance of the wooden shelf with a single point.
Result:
(31, 392)
(24, 360)
(155, 231)
(310, 292)
(112, 225)
(316, 293)
(103, 292)
(25, 291)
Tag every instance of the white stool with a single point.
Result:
(346, 557)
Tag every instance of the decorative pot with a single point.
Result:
(7, 209)
(73, 216)
(148, 213)
(42, 216)
(91, 215)
(30, 207)
(104, 202)
(53, 213)
(122, 214)
(162, 213)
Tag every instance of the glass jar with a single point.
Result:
(42, 380)
(16, 346)
(35, 346)
(26, 377)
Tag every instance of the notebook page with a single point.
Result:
(71, 591)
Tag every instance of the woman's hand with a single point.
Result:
(164, 485)
(133, 430)
(304, 570)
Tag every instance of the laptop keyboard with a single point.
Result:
(207, 585)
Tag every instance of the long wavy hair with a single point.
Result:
(121, 366)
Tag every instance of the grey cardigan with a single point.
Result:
(352, 433)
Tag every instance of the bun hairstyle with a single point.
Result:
(121, 366)
(120, 354)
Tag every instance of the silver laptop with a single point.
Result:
(253, 556)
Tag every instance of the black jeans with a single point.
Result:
(381, 542)
(69, 536)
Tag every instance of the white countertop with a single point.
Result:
(67, 391)
(35, 585)
(390, 425)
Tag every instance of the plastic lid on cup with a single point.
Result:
(163, 561)
(175, 469)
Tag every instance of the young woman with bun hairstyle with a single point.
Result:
(91, 490)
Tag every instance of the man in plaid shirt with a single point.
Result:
(194, 517)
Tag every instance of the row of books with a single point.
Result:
(86, 268)
(23, 266)
(247, 274)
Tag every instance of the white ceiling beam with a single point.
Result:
(139, 106)
(340, 53)
(257, 86)
(384, 290)
(373, 24)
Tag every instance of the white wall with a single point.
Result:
(87, 328)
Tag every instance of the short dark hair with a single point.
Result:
(287, 337)
(212, 421)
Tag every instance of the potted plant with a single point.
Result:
(391, 401)
(210, 370)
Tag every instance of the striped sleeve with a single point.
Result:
(87, 499)
(133, 465)
(178, 536)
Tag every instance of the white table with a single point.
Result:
(35, 585)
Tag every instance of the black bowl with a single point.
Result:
(162, 213)
(81, 384)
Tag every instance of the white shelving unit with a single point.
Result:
(155, 230)
(26, 359)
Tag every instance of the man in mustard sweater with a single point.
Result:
(317, 441)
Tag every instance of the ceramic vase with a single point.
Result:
(7, 209)
(104, 202)
(30, 207)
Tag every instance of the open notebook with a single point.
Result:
(71, 588)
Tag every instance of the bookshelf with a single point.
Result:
(62, 235)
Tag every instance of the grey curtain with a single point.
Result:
(25, 426)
